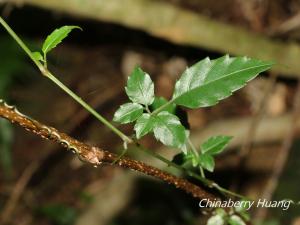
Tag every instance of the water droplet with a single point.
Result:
(95, 166)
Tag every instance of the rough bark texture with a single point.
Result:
(95, 155)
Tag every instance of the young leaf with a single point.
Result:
(144, 125)
(207, 162)
(128, 112)
(140, 88)
(209, 81)
(56, 37)
(216, 220)
(37, 56)
(169, 130)
(215, 145)
(236, 220)
(159, 101)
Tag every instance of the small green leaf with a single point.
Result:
(236, 220)
(207, 162)
(144, 125)
(56, 37)
(209, 81)
(140, 88)
(216, 220)
(215, 145)
(160, 101)
(128, 112)
(169, 130)
(38, 56)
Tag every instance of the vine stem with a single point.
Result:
(161, 108)
(197, 155)
(49, 75)
(123, 136)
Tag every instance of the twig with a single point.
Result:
(282, 157)
(94, 155)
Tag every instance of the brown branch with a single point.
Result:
(23, 180)
(94, 155)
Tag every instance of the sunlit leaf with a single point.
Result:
(207, 162)
(56, 37)
(169, 130)
(215, 144)
(209, 81)
(144, 125)
(128, 112)
(140, 88)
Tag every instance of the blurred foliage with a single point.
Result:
(58, 214)
(288, 187)
(6, 137)
(86, 197)
(12, 64)
(269, 222)
(156, 203)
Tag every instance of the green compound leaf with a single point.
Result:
(209, 81)
(38, 56)
(235, 220)
(144, 125)
(207, 162)
(169, 130)
(56, 37)
(216, 220)
(128, 112)
(140, 88)
(160, 101)
(215, 145)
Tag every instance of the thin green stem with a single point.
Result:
(162, 107)
(88, 108)
(205, 181)
(45, 61)
(197, 155)
(48, 74)
(120, 156)
(147, 109)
